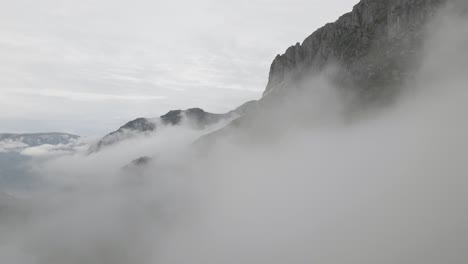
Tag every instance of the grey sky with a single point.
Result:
(88, 66)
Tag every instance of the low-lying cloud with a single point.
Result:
(390, 188)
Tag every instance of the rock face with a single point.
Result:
(375, 47)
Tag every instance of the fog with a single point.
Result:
(389, 187)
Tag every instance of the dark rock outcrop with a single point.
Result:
(139, 124)
(195, 117)
(137, 164)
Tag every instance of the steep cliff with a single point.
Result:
(374, 47)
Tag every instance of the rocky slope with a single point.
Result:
(196, 118)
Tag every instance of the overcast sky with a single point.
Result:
(89, 66)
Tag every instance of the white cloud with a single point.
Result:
(11, 145)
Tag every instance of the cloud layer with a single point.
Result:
(388, 188)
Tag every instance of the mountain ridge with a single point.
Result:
(196, 118)
(376, 48)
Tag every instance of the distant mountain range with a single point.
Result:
(12, 142)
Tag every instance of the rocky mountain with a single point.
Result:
(194, 117)
(369, 53)
(375, 47)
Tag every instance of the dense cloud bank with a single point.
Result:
(387, 188)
